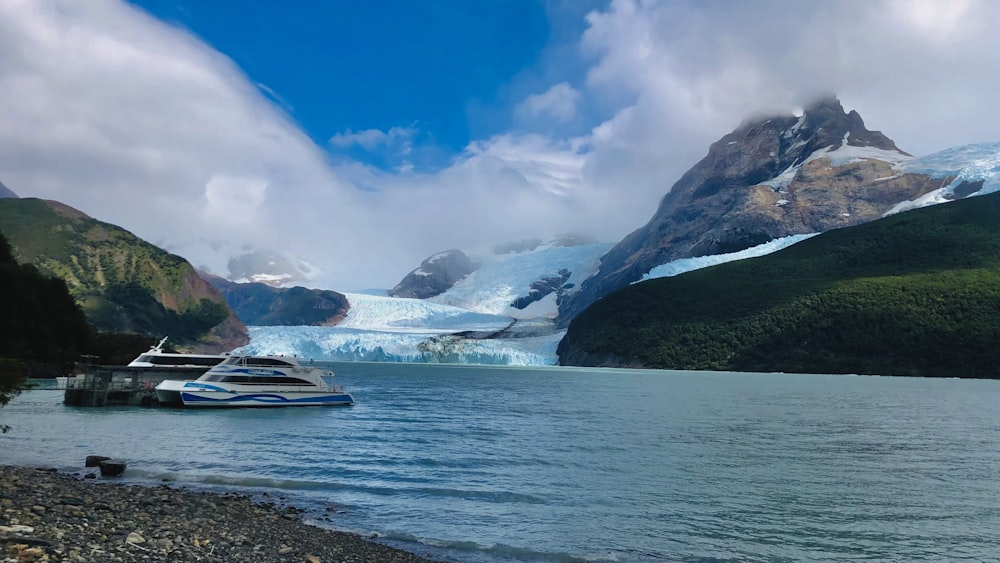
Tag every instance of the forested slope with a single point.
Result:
(913, 294)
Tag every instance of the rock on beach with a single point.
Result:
(47, 515)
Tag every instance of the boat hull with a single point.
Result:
(228, 398)
(168, 393)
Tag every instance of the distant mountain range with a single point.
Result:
(770, 183)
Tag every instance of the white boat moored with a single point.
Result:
(155, 357)
(256, 381)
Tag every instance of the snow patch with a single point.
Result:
(846, 154)
(682, 265)
(781, 181)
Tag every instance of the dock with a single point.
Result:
(108, 386)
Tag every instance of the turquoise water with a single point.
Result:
(490, 464)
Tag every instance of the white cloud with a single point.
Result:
(371, 139)
(143, 125)
(920, 70)
(235, 202)
(559, 102)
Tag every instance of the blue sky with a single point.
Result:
(361, 137)
(450, 70)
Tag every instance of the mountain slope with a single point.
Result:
(917, 293)
(435, 275)
(527, 283)
(123, 283)
(6, 192)
(769, 178)
(260, 304)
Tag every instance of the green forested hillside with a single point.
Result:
(917, 293)
(122, 283)
(41, 325)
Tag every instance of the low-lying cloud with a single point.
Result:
(142, 124)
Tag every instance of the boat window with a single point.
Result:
(268, 362)
(258, 380)
(181, 360)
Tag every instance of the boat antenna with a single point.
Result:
(160, 344)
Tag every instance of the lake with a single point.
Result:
(489, 464)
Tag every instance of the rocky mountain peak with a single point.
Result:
(762, 148)
(435, 275)
(771, 177)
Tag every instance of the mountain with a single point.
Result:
(523, 280)
(435, 275)
(916, 293)
(502, 313)
(123, 283)
(268, 267)
(769, 178)
(260, 304)
(6, 192)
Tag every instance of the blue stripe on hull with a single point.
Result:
(265, 400)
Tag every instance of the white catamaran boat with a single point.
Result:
(157, 358)
(256, 381)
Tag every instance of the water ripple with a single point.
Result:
(491, 464)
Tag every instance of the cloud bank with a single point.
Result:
(144, 125)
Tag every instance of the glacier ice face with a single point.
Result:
(345, 344)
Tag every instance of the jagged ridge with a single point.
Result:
(769, 178)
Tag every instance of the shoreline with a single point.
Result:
(49, 515)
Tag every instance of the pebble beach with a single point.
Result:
(47, 515)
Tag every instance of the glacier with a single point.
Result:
(346, 344)
(393, 329)
(977, 162)
(474, 322)
(404, 314)
(502, 278)
(471, 323)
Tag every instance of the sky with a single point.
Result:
(362, 137)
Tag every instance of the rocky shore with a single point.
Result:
(47, 515)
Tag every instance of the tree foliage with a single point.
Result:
(122, 283)
(131, 308)
(913, 294)
(41, 327)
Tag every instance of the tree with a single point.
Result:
(41, 327)
(13, 378)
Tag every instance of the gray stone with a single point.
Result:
(95, 460)
(112, 467)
